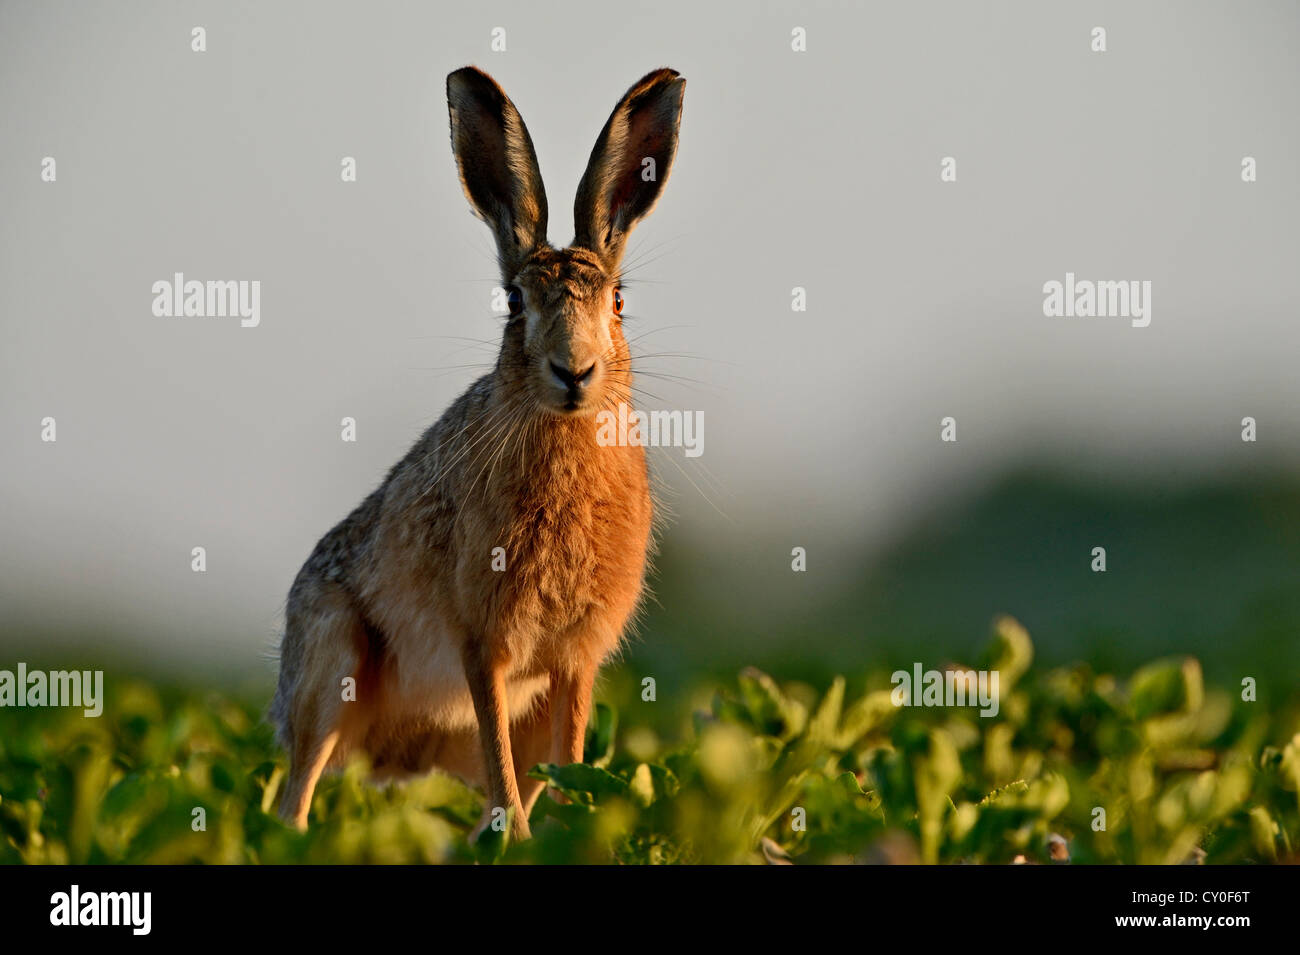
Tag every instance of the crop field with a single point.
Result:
(1076, 766)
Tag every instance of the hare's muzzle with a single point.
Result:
(570, 384)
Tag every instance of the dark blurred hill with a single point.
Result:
(1212, 571)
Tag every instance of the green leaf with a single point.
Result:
(641, 786)
(1263, 833)
(1010, 651)
(491, 844)
(863, 716)
(598, 748)
(823, 727)
(584, 784)
(770, 711)
(1166, 686)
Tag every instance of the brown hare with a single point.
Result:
(473, 595)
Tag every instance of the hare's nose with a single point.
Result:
(571, 380)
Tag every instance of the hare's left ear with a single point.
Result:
(629, 165)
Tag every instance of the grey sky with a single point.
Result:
(816, 169)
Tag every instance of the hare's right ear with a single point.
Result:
(629, 165)
(497, 164)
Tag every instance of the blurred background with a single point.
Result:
(816, 169)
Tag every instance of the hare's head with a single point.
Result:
(563, 347)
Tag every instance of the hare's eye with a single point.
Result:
(514, 300)
(618, 301)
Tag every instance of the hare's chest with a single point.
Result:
(572, 555)
(577, 555)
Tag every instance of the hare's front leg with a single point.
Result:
(530, 741)
(570, 707)
(487, 687)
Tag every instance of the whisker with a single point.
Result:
(477, 364)
(492, 418)
(653, 331)
(637, 258)
(698, 489)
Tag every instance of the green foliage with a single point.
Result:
(765, 772)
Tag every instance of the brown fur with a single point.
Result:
(480, 672)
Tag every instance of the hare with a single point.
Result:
(473, 595)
